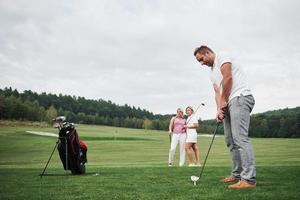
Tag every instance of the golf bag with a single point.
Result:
(72, 150)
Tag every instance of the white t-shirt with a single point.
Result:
(239, 79)
(190, 121)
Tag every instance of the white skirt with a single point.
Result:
(191, 137)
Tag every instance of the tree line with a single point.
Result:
(282, 123)
(28, 105)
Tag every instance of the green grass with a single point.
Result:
(132, 164)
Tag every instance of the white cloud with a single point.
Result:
(140, 52)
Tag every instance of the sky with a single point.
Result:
(140, 52)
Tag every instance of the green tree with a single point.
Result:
(51, 113)
(147, 124)
(2, 107)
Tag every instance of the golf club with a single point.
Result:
(57, 123)
(202, 104)
(196, 178)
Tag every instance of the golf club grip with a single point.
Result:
(209, 149)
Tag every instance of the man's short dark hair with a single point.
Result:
(202, 49)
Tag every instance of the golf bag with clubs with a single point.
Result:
(72, 150)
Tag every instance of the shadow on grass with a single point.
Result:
(55, 174)
(69, 174)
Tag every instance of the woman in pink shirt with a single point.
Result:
(178, 133)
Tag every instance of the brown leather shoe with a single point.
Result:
(230, 179)
(242, 184)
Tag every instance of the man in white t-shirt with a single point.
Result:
(234, 105)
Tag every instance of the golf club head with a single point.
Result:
(194, 179)
(59, 119)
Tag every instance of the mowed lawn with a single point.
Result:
(132, 164)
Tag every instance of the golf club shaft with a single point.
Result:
(214, 135)
(66, 153)
(201, 104)
(49, 158)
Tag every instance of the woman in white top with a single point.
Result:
(191, 140)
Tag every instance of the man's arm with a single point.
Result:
(226, 84)
(217, 96)
(220, 113)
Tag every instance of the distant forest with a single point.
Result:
(31, 106)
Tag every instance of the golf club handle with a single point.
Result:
(170, 137)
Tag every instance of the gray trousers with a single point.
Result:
(236, 126)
